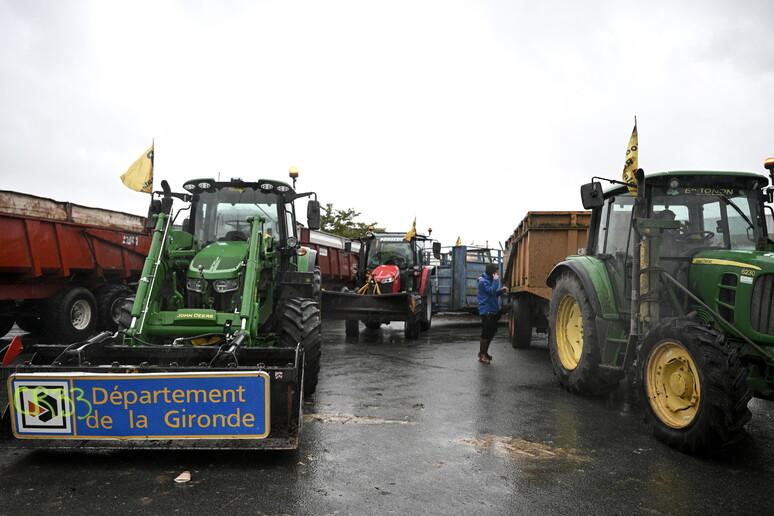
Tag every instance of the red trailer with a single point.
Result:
(64, 267)
(336, 265)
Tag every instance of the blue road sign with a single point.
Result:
(224, 405)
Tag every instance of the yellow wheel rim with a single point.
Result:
(569, 332)
(672, 384)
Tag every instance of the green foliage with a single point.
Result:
(342, 223)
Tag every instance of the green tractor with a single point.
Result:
(675, 292)
(215, 350)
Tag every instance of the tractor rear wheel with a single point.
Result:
(694, 384)
(520, 323)
(300, 323)
(427, 313)
(573, 340)
(71, 315)
(413, 325)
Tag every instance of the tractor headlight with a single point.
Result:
(195, 284)
(225, 285)
(387, 280)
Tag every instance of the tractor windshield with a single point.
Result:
(221, 216)
(721, 218)
(390, 251)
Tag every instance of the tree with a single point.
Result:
(342, 223)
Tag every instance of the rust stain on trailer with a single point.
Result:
(516, 447)
(348, 418)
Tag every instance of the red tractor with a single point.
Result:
(394, 282)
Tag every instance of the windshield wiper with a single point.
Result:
(737, 209)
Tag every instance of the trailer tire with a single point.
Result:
(71, 315)
(300, 323)
(520, 323)
(110, 300)
(413, 325)
(691, 386)
(573, 342)
(7, 319)
(427, 312)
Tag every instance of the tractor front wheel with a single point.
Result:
(300, 323)
(573, 340)
(694, 384)
(413, 325)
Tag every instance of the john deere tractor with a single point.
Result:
(214, 350)
(676, 289)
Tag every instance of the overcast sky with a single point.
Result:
(465, 114)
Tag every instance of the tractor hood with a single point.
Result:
(219, 260)
(739, 285)
(744, 264)
(389, 277)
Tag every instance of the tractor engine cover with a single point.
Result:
(388, 278)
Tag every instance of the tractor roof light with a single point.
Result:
(769, 164)
(293, 172)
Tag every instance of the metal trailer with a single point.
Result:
(64, 267)
(541, 240)
(458, 271)
(337, 264)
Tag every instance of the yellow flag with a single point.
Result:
(139, 177)
(411, 232)
(459, 241)
(631, 165)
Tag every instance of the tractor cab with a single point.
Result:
(690, 218)
(394, 263)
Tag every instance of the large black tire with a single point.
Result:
(691, 386)
(300, 323)
(125, 313)
(520, 323)
(427, 312)
(31, 324)
(413, 325)
(109, 301)
(6, 317)
(352, 327)
(317, 286)
(573, 343)
(71, 315)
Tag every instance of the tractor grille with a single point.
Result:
(761, 306)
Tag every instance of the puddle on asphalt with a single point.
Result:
(348, 418)
(515, 447)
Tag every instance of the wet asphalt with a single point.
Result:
(420, 427)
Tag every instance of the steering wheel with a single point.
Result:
(695, 237)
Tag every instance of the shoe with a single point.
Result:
(488, 356)
(482, 357)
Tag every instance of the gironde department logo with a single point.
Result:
(41, 407)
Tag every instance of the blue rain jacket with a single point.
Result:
(488, 294)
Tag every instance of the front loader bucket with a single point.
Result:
(105, 395)
(365, 307)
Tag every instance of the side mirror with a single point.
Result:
(437, 250)
(313, 214)
(153, 209)
(592, 195)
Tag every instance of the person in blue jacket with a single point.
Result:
(489, 292)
